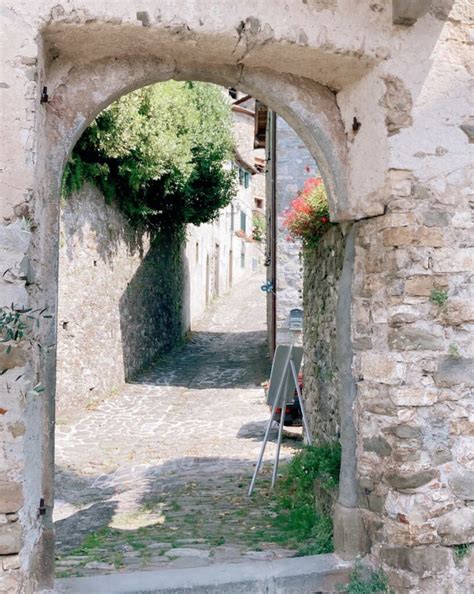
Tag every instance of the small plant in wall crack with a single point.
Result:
(365, 581)
(453, 351)
(461, 551)
(438, 296)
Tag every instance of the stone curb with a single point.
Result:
(301, 575)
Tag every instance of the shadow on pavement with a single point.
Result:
(212, 360)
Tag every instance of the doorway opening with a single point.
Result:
(173, 493)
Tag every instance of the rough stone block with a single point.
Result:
(407, 451)
(378, 445)
(468, 130)
(11, 562)
(441, 456)
(422, 285)
(407, 12)
(435, 218)
(11, 497)
(350, 534)
(462, 484)
(457, 527)
(457, 311)
(453, 260)
(376, 502)
(418, 236)
(410, 481)
(381, 367)
(410, 338)
(451, 372)
(9, 582)
(10, 538)
(398, 105)
(15, 238)
(413, 396)
(406, 431)
(419, 560)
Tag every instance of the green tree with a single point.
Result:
(161, 154)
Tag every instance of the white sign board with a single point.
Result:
(280, 366)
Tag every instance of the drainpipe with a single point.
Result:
(273, 220)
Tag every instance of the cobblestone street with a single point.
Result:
(157, 475)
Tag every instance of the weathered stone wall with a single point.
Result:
(294, 165)
(412, 335)
(382, 100)
(120, 298)
(322, 388)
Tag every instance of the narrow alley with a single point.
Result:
(156, 475)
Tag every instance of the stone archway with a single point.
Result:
(78, 94)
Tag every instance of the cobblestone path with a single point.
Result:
(156, 476)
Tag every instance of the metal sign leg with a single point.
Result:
(300, 398)
(267, 432)
(280, 437)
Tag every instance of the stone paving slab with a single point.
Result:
(170, 457)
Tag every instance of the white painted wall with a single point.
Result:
(208, 269)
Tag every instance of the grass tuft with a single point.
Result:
(364, 581)
(297, 516)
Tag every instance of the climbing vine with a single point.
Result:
(161, 154)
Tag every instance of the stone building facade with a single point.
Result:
(379, 93)
(222, 253)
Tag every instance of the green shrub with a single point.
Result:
(160, 153)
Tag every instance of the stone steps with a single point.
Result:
(302, 575)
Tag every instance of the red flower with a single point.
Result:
(308, 213)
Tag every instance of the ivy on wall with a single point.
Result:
(161, 154)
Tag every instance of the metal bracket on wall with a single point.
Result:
(42, 508)
(44, 95)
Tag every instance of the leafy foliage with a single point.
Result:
(160, 153)
(307, 218)
(297, 512)
(258, 230)
(17, 324)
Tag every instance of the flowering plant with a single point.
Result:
(307, 217)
